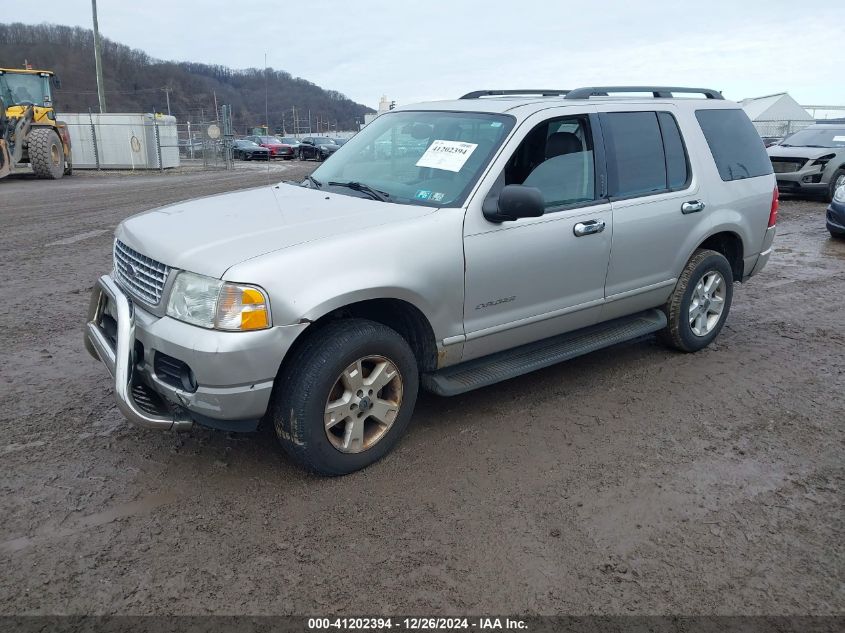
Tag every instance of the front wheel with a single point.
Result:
(46, 153)
(345, 397)
(836, 180)
(301, 155)
(699, 305)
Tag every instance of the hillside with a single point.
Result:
(134, 81)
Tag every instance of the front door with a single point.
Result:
(536, 277)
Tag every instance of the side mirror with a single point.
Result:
(57, 82)
(514, 202)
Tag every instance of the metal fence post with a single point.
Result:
(94, 139)
(158, 144)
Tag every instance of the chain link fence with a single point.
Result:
(777, 130)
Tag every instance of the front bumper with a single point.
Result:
(234, 371)
(810, 179)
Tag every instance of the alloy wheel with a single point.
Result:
(363, 404)
(707, 303)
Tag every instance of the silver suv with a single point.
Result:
(811, 161)
(448, 245)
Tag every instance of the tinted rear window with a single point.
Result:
(677, 168)
(736, 146)
(636, 162)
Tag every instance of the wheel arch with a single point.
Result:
(398, 314)
(731, 246)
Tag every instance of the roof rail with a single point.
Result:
(498, 93)
(658, 92)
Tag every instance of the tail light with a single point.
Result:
(773, 214)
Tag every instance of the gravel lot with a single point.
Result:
(633, 480)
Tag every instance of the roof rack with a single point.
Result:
(477, 94)
(658, 92)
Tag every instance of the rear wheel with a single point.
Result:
(346, 396)
(46, 154)
(699, 305)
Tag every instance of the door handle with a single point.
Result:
(693, 206)
(588, 228)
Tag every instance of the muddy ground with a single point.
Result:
(633, 480)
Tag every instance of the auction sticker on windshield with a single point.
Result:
(447, 155)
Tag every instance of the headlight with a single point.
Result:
(215, 304)
(839, 195)
(823, 160)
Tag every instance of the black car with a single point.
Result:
(248, 150)
(317, 147)
(836, 213)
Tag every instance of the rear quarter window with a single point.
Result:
(735, 145)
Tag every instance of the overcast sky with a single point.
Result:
(435, 49)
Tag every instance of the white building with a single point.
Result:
(383, 106)
(776, 115)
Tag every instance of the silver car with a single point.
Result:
(811, 161)
(529, 228)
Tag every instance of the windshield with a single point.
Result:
(426, 158)
(817, 136)
(24, 89)
(289, 141)
(322, 140)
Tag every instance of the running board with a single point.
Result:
(511, 363)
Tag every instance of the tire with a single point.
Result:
(311, 379)
(837, 177)
(680, 330)
(46, 154)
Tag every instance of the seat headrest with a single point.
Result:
(562, 143)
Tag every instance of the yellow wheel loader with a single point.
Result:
(29, 132)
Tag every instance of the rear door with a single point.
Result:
(656, 203)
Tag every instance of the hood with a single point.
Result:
(329, 146)
(210, 235)
(779, 151)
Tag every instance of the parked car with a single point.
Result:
(836, 214)
(289, 140)
(486, 257)
(249, 150)
(317, 147)
(276, 147)
(811, 161)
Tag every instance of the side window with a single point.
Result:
(636, 162)
(677, 164)
(556, 157)
(736, 146)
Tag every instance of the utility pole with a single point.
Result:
(98, 62)
(266, 97)
(167, 94)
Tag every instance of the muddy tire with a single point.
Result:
(345, 396)
(700, 302)
(46, 154)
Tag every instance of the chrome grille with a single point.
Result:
(142, 276)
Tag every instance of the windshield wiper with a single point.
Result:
(375, 194)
